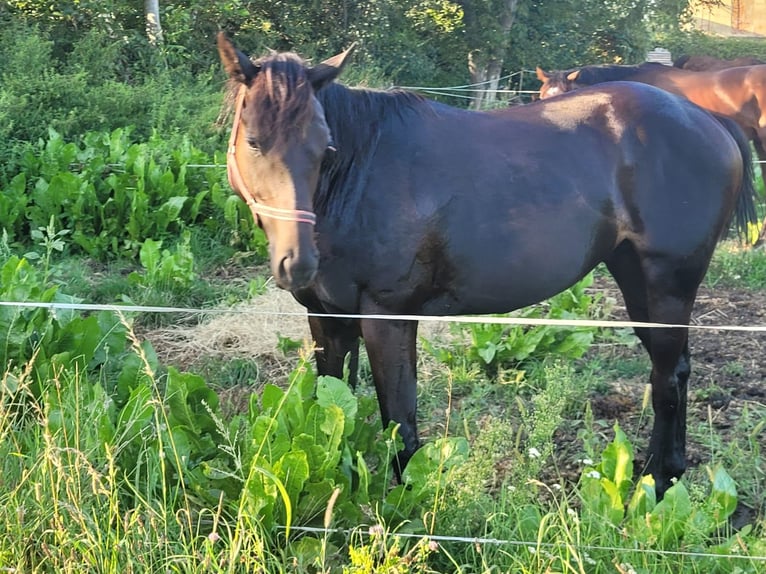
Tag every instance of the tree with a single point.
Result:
(153, 27)
(488, 27)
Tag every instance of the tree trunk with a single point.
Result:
(487, 65)
(153, 28)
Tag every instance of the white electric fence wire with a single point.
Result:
(421, 318)
(535, 544)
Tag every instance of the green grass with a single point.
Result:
(66, 504)
(736, 266)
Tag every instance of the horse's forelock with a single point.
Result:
(281, 95)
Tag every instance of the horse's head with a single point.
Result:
(276, 148)
(555, 83)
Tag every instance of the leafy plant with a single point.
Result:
(605, 491)
(56, 340)
(114, 194)
(172, 269)
(51, 240)
(497, 346)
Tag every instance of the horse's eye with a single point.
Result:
(254, 145)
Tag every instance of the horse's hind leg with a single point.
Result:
(334, 340)
(662, 290)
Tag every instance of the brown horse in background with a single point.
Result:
(738, 93)
(380, 203)
(710, 63)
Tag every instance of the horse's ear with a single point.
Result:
(237, 65)
(572, 76)
(542, 75)
(324, 73)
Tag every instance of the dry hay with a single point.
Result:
(249, 330)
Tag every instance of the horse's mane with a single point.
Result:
(357, 117)
(613, 72)
(681, 61)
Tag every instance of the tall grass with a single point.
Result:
(66, 505)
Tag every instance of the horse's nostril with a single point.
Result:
(293, 271)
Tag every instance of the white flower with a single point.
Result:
(534, 453)
(586, 461)
(594, 474)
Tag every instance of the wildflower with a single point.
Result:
(534, 453)
(594, 474)
(213, 537)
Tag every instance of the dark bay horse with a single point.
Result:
(383, 202)
(738, 93)
(709, 63)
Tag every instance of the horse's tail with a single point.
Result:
(745, 215)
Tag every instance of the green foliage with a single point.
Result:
(44, 341)
(605, 493)
(174, 270)
(114, 194)
(496, 346)
(737, 266)
(384, 553)
(693, 43)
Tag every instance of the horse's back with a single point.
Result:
(674, 158)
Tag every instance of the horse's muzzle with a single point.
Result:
(295, 271)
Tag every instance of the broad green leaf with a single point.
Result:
(271, 398)
(644, 498)
(614, 509)
(723, 494)
(332, 391)
(151, 255)
(669, 518)
(617, 461)
(488, 353)
(137, 414)
(293, 471)
(270, 438)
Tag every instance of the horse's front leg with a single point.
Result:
(390, 348)
(334, 340)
